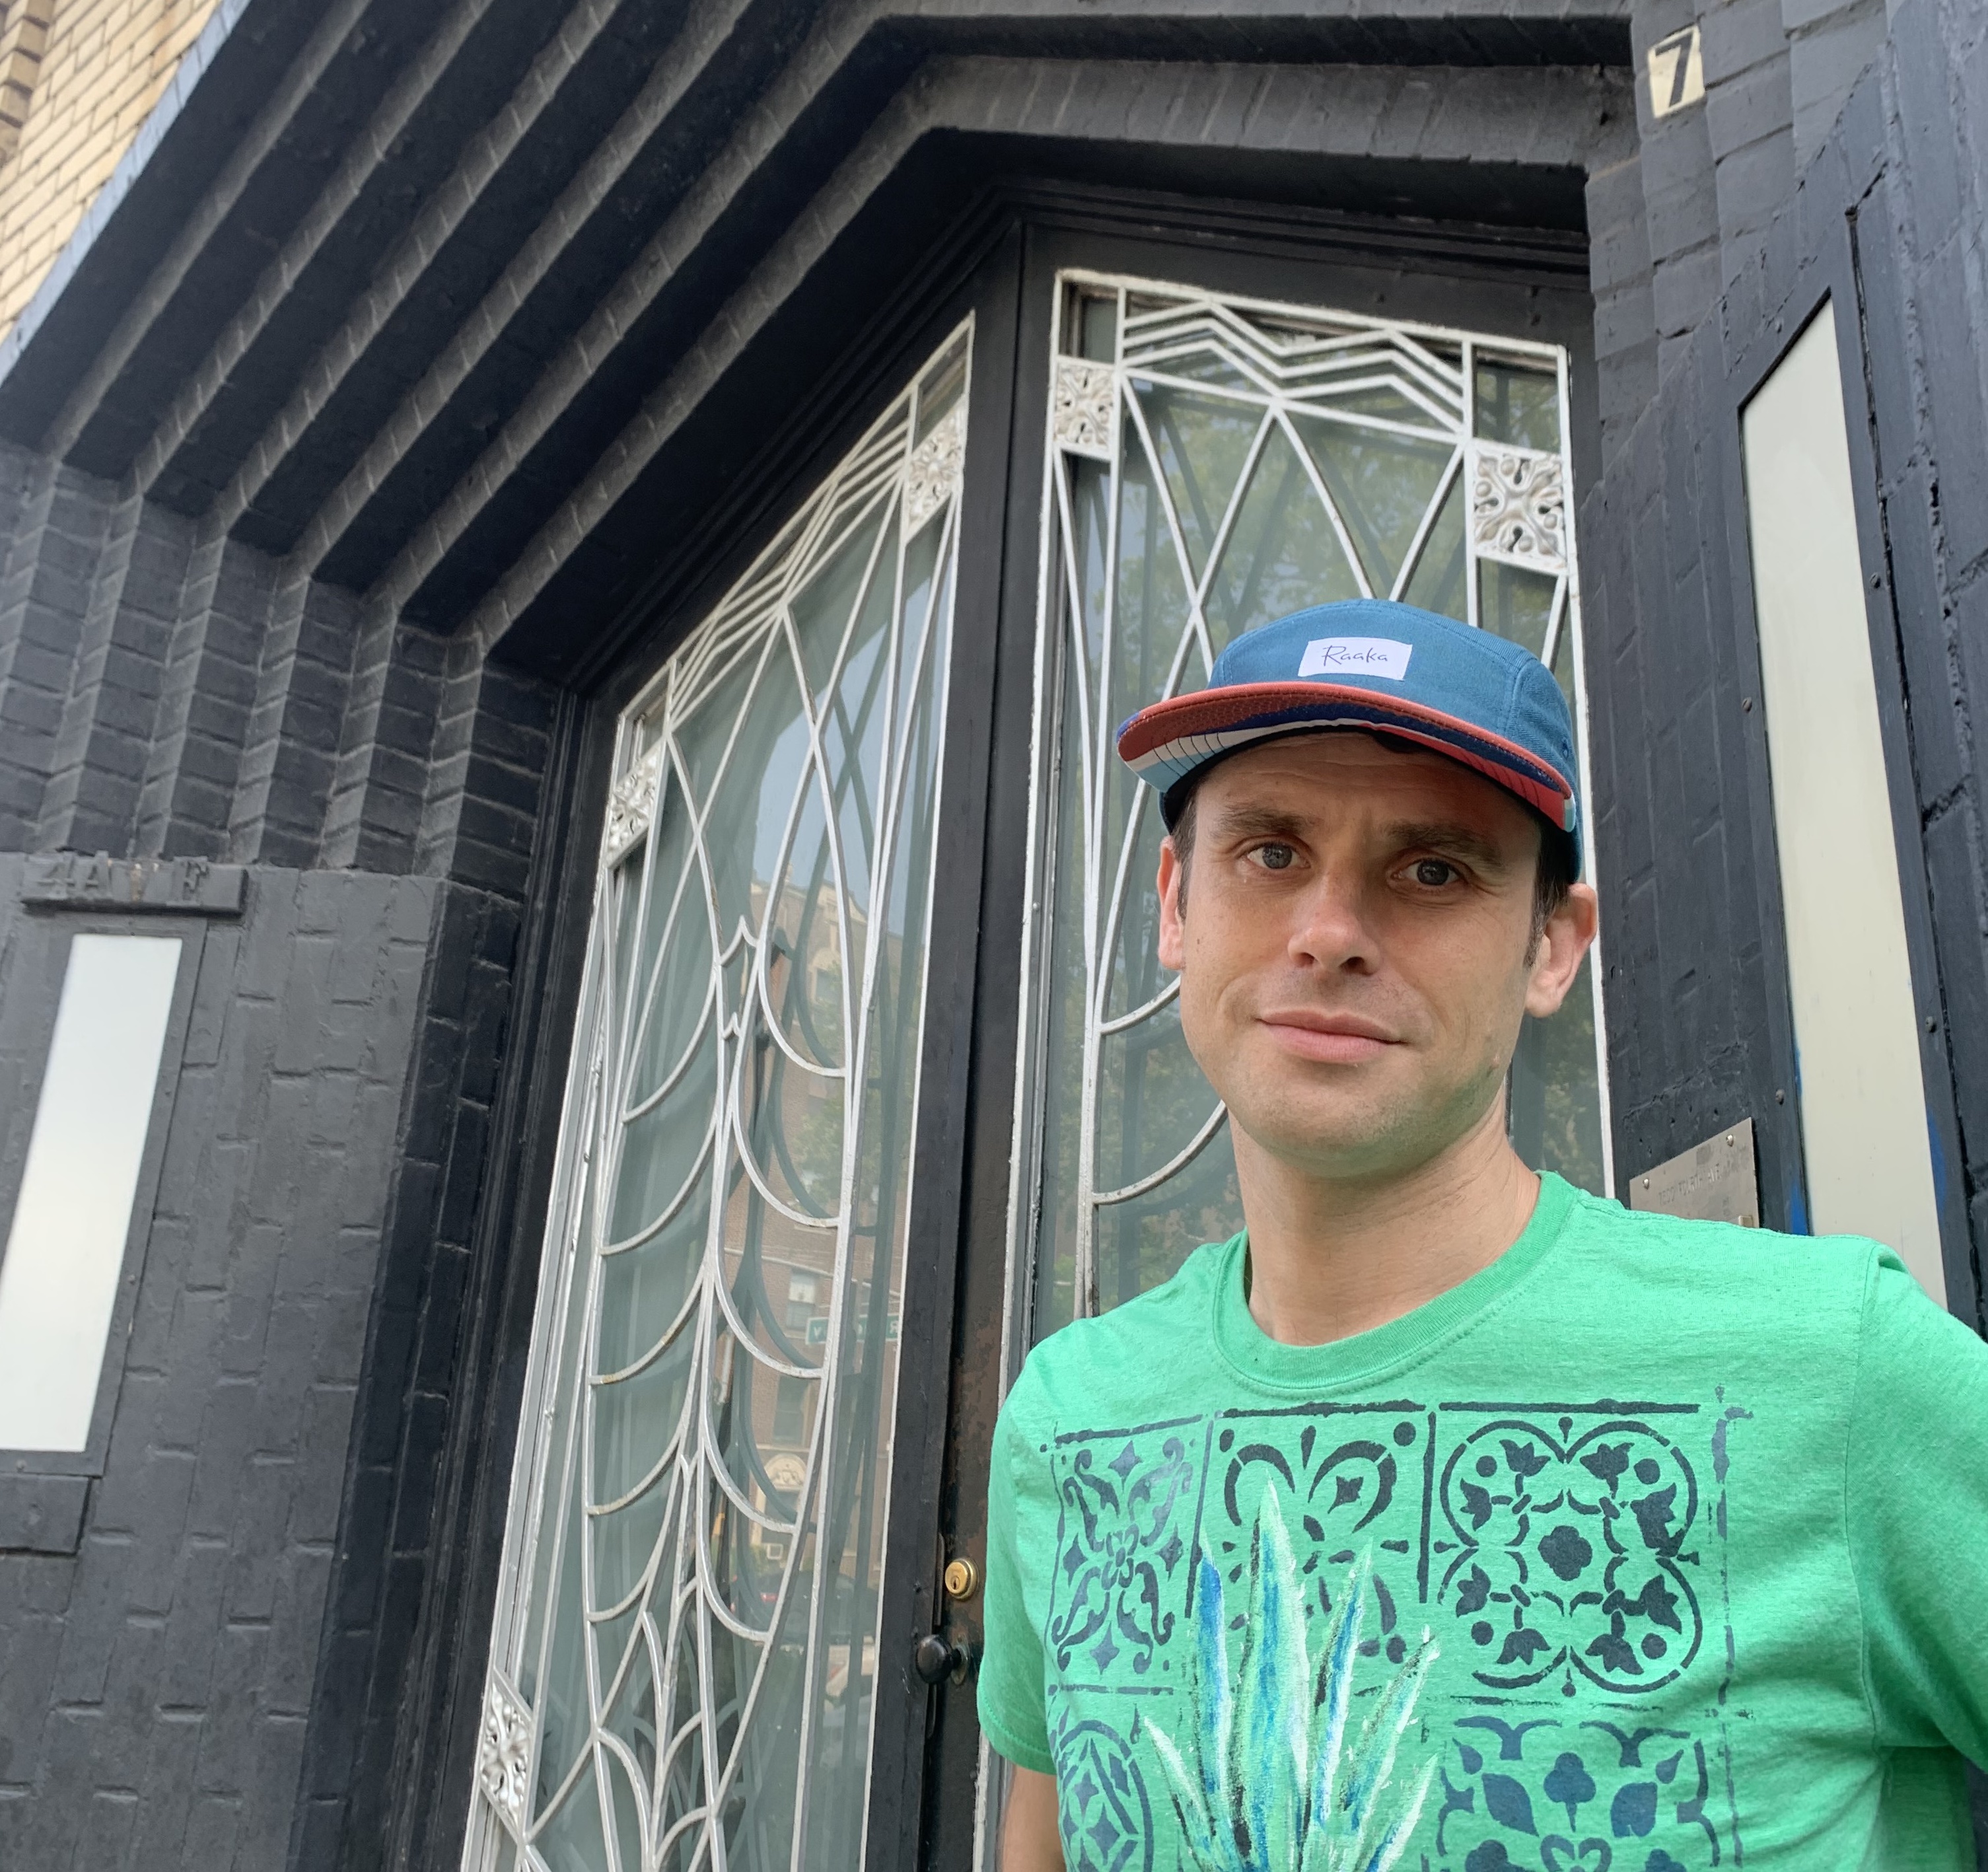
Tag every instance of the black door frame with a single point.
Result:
(974, 275)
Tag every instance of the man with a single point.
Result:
(1448, 1516)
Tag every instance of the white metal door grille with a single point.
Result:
(685, 1642)
(1214, 462)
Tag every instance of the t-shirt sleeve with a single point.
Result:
(1010, 1693)
(1918, 1513)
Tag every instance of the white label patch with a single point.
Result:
(1356, 656)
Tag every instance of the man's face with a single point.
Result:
(1354, 953)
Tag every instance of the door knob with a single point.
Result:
(936, 1657)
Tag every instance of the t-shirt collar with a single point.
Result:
(1365, 1356)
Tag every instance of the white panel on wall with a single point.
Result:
(1862, 1098)
(65, 1249)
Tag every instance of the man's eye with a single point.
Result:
(1274, 858)
(1433, 873)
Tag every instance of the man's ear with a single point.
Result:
(1567, 936)
(1173, 928)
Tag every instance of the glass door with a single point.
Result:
(1213, 463)
(684, 1659)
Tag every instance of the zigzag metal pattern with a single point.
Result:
(1340, 359)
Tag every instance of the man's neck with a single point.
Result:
(1329, 1259)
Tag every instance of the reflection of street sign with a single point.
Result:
(817, 1328)
(890, 1328)
(1677, 72)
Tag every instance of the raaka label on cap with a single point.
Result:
(1356, 656)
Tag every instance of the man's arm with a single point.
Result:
(1029, 1840)
(1917, 1499)
(1010, 1697)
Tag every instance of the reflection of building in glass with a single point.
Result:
(693, 1574)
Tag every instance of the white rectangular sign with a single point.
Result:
(65, 1251)
(1356, 656)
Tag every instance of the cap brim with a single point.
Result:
(1165, 743)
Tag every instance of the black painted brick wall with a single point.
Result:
(154, 1689)
(1684, 825)
(380, 1571)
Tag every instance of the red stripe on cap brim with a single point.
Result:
(1144, 740)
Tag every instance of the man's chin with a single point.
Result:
(1337, 1144)
(1371, 1131)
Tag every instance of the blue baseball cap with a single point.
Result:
(1390, 669)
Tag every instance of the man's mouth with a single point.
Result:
(1334, 1039)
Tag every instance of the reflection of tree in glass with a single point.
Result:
(1202, 442)
(1143, 1243)
(1282, 553)
(1382, 485)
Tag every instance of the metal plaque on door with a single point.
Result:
(1716, 1181)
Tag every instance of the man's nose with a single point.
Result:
(1330, 929)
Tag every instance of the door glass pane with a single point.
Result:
(1215, 463)
(686, 1653)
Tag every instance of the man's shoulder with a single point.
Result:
(1653, 1231)
(1726, 1264)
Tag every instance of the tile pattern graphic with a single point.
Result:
(1565, 1558)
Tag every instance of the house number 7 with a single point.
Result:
(1677, 72)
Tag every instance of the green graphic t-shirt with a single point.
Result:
(1656, 1546)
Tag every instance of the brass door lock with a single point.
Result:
(963, 1579)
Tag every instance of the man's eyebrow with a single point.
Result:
(1450, 835)
(1247, 821)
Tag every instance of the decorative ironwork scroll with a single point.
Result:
(934, 476)
(504, 1751)
(1214, 462)
(685, 1648)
